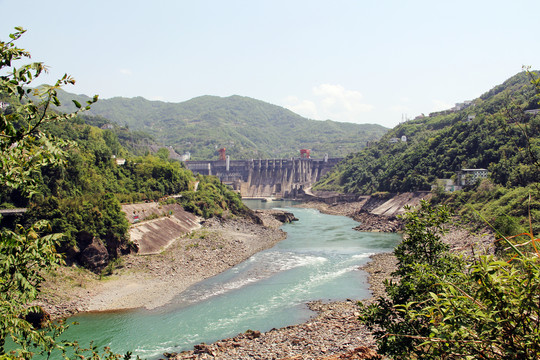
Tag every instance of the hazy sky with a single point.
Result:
(357, 61)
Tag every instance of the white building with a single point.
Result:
(471, 176)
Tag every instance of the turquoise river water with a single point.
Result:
(319, 260)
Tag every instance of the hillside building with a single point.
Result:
(457, 107)
(396, 139)
(118, 161)
(463, 105)
(471, 176)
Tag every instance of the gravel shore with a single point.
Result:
(334, 332)
(217, 246)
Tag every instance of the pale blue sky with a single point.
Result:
(345, 60)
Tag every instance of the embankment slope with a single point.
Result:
(218, 245)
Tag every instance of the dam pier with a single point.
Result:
(264, 178)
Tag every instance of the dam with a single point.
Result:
(263, 178)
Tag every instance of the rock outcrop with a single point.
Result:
(273, 218)
(95, 255)
(282, 216)
(377, 223)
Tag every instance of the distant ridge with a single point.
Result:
(246, 127)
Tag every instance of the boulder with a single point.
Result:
(95, 256)
(283, 216)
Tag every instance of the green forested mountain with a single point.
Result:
(498, 132)
(81, 195)
(246, 127)
(495, 133)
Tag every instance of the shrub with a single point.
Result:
(443, 309)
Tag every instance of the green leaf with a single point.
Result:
(56, 101)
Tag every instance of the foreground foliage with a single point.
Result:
(496, 318)
(445, 308)
(422, 259)
(25, 253)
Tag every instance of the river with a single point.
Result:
(319, 260)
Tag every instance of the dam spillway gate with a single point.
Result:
(258, 178)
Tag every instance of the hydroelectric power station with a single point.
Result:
(278, 178)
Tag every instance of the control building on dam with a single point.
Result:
(279, 178)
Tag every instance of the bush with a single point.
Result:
(212, 198)
(422, 259)
(443, 309)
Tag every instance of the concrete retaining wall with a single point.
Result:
(168, 223)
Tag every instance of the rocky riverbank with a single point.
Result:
(335, 332)
(374, 213)
(357, 211)
(208, 251)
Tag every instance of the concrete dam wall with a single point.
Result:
(280, 178)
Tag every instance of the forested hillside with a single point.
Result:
(498, 132)
(81, 195)
(246, 127)
(486, 302)
(494, 133)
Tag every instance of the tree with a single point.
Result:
(25, 254)
(445, 308)
(423, 260)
